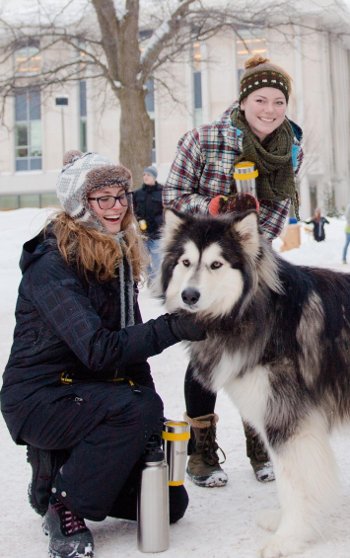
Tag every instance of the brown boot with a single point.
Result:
(203, 467)
(259, 458)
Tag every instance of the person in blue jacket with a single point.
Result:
(77, 388)
(347, 233)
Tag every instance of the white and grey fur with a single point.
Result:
(278, 343)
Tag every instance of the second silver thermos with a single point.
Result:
(176, 434)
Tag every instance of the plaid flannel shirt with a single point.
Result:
(203, 168)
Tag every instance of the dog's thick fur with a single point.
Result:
(278, 343)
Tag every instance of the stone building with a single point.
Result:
(40, 125)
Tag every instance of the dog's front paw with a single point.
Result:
(278, 546)
(269, 519)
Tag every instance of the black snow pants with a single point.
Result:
(105, 428)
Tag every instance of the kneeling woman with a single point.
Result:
(77, 381)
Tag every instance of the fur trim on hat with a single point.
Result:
(108, 175)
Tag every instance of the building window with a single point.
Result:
(82, 116)
(27, 59)
(197, 84)
(248, 45)
(28, 145)
(16, 201)
(149, 102)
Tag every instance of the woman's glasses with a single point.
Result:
(107, 202)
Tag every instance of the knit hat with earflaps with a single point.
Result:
(259, 73)
(83, 173)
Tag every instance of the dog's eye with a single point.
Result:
(215, 265)
(186, 263)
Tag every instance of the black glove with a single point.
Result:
(186, 328)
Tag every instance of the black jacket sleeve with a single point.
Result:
(64, 306)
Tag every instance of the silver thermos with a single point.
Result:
(245, 174)
(176, 434)
(153, 501)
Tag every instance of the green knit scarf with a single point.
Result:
(273, 159)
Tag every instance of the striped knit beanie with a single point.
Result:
(261, 73)
(82, 173)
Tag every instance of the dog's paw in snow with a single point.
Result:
(269, 519)
(278, 546)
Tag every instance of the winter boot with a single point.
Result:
(259, 458)
(45, 465)
(203, 467)
(69, 536)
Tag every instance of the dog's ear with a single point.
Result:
(248, 229)
(172, 222)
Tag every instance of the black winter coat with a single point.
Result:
(148, 206)
(65, 323)
(318, 228)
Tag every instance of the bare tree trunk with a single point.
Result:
(136, 132)
(120, 41)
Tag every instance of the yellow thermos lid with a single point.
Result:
(245, 171)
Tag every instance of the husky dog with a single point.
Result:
(279, 344)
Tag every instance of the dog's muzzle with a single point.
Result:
(190, 296)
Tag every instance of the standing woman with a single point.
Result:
(318, 223)
(255, 129)
(77, 382)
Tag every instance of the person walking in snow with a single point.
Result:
(77, 388)
(254, 129)
(318, 222)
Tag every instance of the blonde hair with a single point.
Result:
(97, 252)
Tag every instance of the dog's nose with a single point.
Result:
(190, 296)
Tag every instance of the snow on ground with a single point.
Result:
(220, 522)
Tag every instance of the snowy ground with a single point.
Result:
(220, 523)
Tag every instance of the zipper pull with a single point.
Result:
(133, 386)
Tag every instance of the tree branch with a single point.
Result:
(109, 27)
